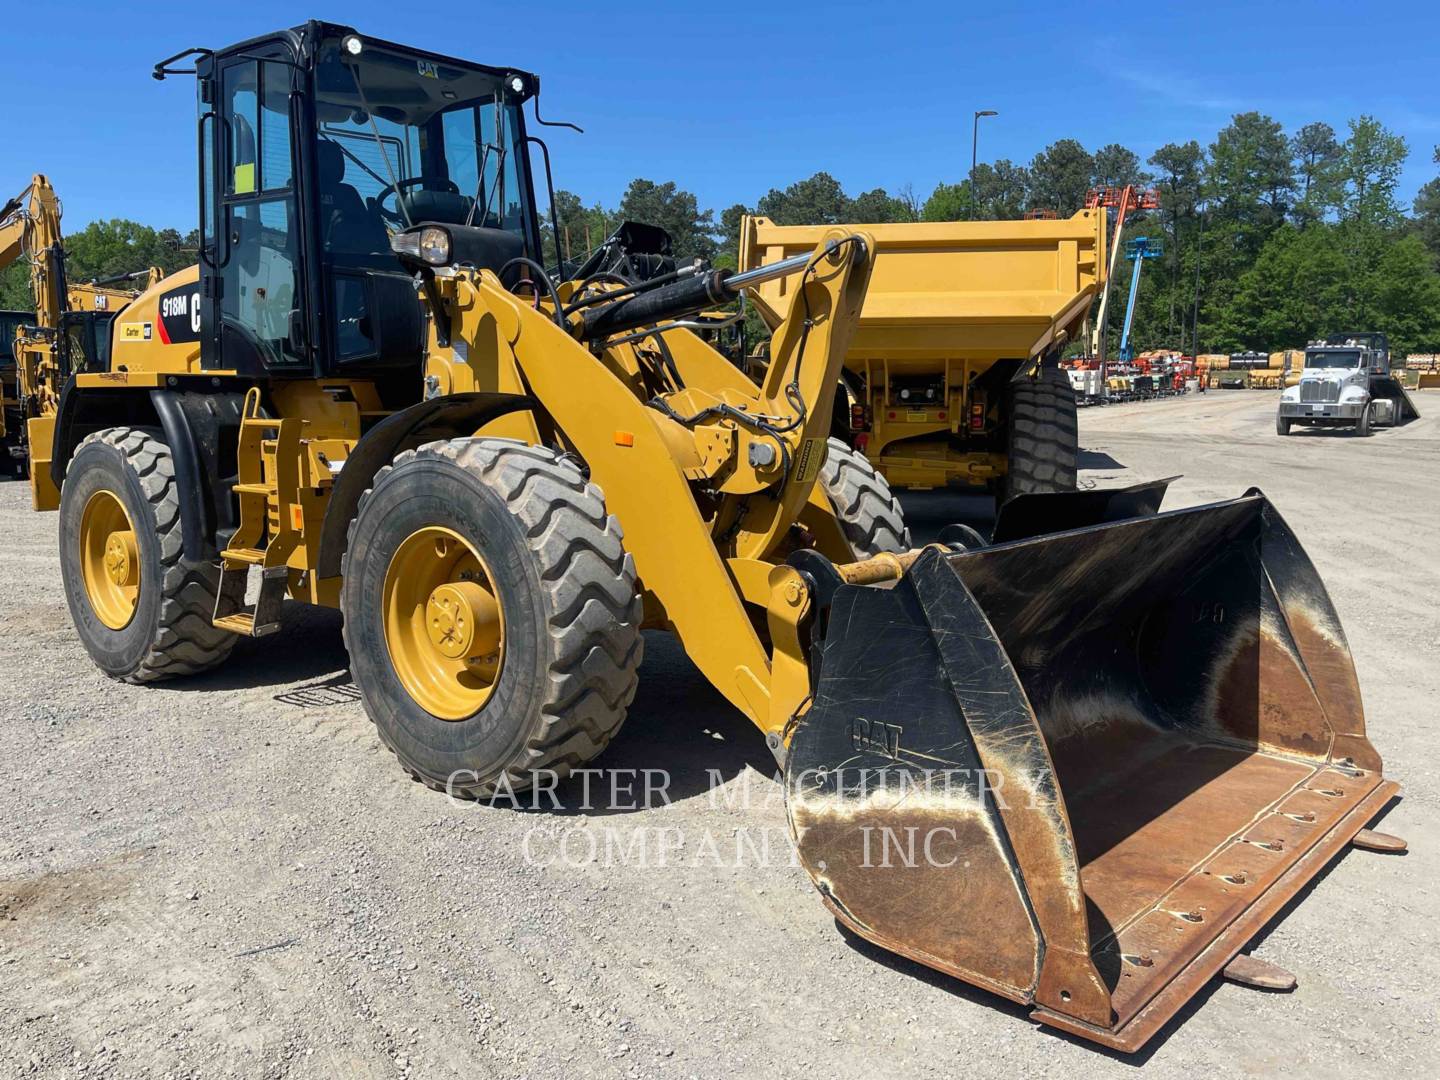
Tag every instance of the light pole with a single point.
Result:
(974, 139)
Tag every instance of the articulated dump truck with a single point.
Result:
(952, 377)
(1079, 762)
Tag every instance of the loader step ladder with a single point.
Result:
(266, 536)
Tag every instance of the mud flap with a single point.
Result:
(1082, 769)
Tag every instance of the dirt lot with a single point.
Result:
(229, 875)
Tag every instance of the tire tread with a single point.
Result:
(868, 511)
(593, 596)
(186, 640)
(1044, 435)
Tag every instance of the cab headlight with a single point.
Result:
(430, 244)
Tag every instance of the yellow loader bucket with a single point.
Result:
(1082, 769)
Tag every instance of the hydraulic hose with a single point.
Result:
(677, 298)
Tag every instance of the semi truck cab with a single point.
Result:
(1345, 382)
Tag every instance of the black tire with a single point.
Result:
(1362, 426)
(171, 632)
(1042, 443)
(1282, 425)
(572, 612)
(868, 511)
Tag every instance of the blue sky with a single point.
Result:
(732, 99)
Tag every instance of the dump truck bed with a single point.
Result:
(981, 290)
(954, 310)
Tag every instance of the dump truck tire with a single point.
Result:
(569, 614)
(1043, 440)
(127, 474)
(867, 510)
(1362, 426)
(1282, 425)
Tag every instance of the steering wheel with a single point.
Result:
(433, 183)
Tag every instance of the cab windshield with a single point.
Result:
(1341, 359)
(404, 139)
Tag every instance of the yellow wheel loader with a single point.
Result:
(1078, 764)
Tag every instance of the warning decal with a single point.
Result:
(812, 453)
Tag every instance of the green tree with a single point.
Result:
(1166, 305)
(1404, 294)
(15, 288)
(1251, 175)
(1291, 294)
(876, 207)
(728, 253)
(1116, 166)
(1426, 214)
(1248, 183)
(105, 250)
(948, 202)
(582, 228)
(1316, 152)
(1326, 279)
(676, 211)
(1000, 190)
(817, 200)
(1368, 171)
(1060, 176)
(913, 203)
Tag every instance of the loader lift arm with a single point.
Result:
(758, 452)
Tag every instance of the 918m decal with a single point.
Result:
(180, 315)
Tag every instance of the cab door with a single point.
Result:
(252, 273)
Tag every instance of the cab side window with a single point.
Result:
(261, 316)
(243, 127)
(258, 115)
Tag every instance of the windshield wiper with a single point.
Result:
(500, 152)
(384, 154)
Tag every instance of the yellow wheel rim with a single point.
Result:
(109, 559)
(444, 627)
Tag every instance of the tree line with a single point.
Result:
(1270, 238)
(105, 249)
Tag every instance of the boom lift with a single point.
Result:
(1136, 251)
(1124, 201)
(371, 391)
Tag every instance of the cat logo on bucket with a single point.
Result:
(136, 331)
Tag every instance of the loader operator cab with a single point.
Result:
(317, 145)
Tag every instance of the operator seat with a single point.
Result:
(346, 223)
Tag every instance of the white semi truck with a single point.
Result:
(1346, 382)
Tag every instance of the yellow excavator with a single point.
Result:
(68, 327)
(1078, 762)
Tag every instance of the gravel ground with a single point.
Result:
(229, 875)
